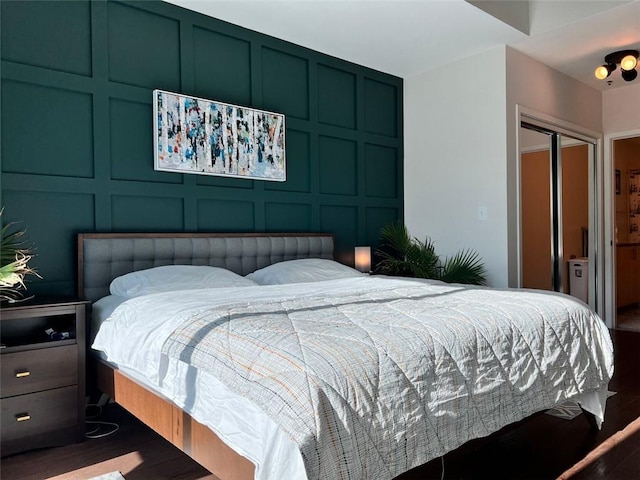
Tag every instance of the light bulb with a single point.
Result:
(602, 72)
(629, 62)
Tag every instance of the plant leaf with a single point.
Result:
(402, 255)
(464, 267)
(15, 254)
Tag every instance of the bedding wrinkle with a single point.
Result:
(506, 375)
(366, 378)
(243, 362)
(572, 357)
(386, 349)
(334, 440)
(354, 398)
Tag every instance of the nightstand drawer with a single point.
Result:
(36, 370)
(42, 419)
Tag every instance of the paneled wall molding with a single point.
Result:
(77, 137)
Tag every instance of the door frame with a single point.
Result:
(596, 199)
(610, 223)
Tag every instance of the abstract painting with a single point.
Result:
(194, 135)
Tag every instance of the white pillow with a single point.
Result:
(302, 271)
(175, 277)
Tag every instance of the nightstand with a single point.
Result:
(42, 383)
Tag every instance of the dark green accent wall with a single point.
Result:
(77, 143)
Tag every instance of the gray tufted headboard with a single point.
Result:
(105, 256)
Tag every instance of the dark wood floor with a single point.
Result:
(540, 447)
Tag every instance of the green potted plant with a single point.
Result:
(15, 254)
(402, 255)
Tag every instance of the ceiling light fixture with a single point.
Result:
(627, 59)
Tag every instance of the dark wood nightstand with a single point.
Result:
(42, 385)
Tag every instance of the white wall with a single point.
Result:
(454, 158)
(621, 109)
(537, 87)
(533, 84)
(460, 128)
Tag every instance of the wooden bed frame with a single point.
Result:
(175, 425)
(155, 410)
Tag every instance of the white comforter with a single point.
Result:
(447, 364)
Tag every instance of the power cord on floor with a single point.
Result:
(442, 459)
(112, 427)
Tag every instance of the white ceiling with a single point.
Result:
(406, 37)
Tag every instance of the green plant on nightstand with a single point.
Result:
(15, 254)
(403, 255)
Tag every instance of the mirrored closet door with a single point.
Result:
(556, 183)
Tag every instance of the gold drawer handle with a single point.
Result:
(23, 417)
(26, 373)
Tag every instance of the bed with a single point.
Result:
(325, 373)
